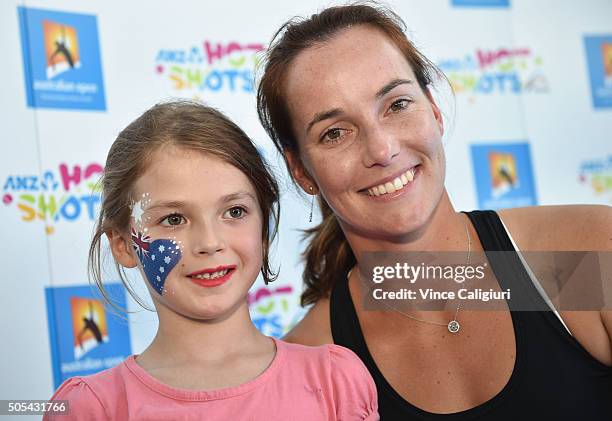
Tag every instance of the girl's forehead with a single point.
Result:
(181, 174)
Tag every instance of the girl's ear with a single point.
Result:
(121, 249)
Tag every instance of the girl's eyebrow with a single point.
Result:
(164, 204)
(238, 195)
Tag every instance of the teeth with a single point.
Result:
(213, 275)
(410, 175)
(392, 186)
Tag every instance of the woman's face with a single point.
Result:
(364, 129)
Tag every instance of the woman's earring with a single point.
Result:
(311, 203)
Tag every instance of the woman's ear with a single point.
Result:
(299, 173)
(122, 249)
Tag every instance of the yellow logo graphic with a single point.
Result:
(88, 325)
(61, 48)
(606, 51)
(504, 177)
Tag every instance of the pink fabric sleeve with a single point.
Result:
(83, 403)
(353, 387)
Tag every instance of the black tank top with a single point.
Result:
(554, 377)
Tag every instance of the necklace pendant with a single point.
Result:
(454, 326)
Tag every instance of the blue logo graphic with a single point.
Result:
(85, 336)
(61, 60)
(599, 57)
(504, 176)
(481, 3)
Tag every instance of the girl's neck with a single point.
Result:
(184, 341)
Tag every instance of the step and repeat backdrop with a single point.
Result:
(529, 123)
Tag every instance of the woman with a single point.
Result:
(346, 98)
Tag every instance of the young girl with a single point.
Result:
(188, 200)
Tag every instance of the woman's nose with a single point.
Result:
(380, 146)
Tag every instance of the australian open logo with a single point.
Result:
(209, 67)
(599, 57)
(84, 334)
(503, 71)
(61, 57)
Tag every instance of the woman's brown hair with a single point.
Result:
(189, 125)
(327, 255)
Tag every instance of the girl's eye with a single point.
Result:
(173, 220)
(332, 135)
(399, 105)
(236, 212)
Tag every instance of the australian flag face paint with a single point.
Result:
(157, 257)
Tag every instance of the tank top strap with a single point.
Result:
(505, 262)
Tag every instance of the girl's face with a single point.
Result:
(196, 231)
(365, 129)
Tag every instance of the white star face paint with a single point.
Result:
(138, 210)
(199, 241)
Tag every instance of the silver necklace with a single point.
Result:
(453, 326)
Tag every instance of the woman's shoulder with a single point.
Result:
(315, 328)
(563, 227)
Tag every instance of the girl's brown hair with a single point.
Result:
(189, 125)
(327, 255)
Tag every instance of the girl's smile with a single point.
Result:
(198, 234)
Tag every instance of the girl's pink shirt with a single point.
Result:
(328, 382)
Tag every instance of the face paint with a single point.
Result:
(138, 210)
(157, 257)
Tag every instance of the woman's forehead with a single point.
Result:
(357, 61)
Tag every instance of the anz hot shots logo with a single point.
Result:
(209, 67)
(85, 336)
(68, 193)
(61, 60)
(501, 71)
(596, 175)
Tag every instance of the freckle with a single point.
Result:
(447, 238)
(438, 381)
(448, 373)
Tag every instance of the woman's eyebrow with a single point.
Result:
(392, 85)
(324, 115)
(335, 112)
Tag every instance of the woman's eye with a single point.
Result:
(174, 219)
(332, 135)
(399, 105)
(235, 212)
